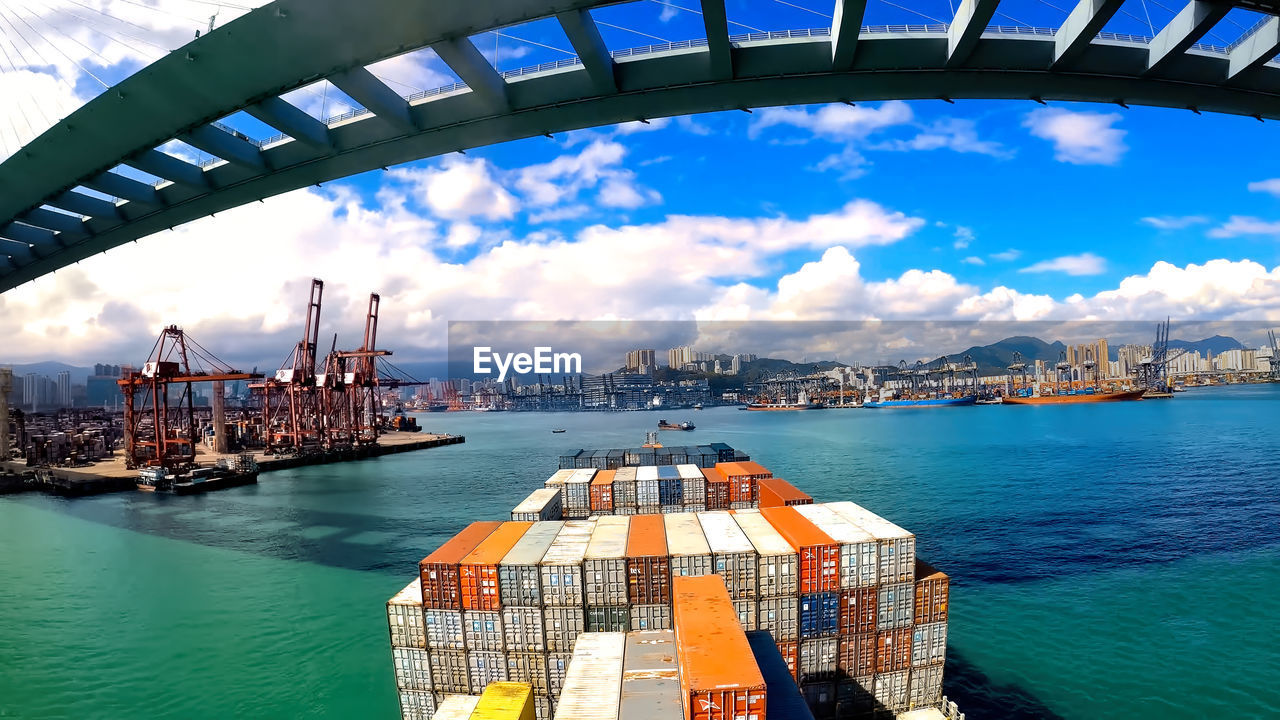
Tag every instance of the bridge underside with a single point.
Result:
(48, 221)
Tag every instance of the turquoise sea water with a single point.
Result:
(1107, 560)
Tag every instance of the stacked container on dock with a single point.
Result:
(776, 492)
(556, 482)
(542, 504)
(776, 584)
(602, 492)
(624, 491)
(404, 617)
(457, 707)
(717, 489)
(593, 682)
(897, 547)
(718, 678)
(605, 576)
(648, 574)
(929, 636)
(650, 677)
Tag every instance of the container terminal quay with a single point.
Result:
(312, 410)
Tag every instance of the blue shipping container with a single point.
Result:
(819, 614)
(670, 492)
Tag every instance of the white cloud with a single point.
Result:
(1082, 264)
(849, 162)
(1239, 225)
(957, 134)
(1174, 222)
(974, 260)
(635, 126)
(1080, 138)
(461, 188)
(1007, 255)
(834, 122)
(963, 236)
(1271, 186)
(598, 166)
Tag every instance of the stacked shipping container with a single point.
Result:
(508, 601)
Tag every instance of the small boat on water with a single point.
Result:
(802, 402)
(557, 430)
(697, 406)
(996, 400)
(686, 425)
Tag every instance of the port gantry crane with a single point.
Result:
(159, 430)
(1018, 366)
(291, 412)
(1275, 354)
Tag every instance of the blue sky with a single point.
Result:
(915, 210)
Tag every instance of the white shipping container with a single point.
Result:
(647, 493)
(522, 629)
(561, 567)
(776, 575)
(780, 617)
(929, 644)
(559, 477)
(482, 630)
(625, 474)
(689, 471)
(687, 545)
(542, 504)
(694, 484)
(817, 661)
(519, 573)
(557, 666)
(650, 617)
(444, 629)
(412, 668)
(896, 606)
(859, 550)
(695, 507)
(577, 492)
(732, 554)
(650, 677)
(528, 668)
(484, 668)
(604, 566)
(416, 705)
(897, 547)
(925, 687)
(404, 617)
(457, 707)
(562, 626)
(449, 671)
(891, 690)
(593, 685)
(747, 611)
(646, 472)
(542, 708)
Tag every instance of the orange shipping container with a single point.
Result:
(933, 591)
(857, 656)
(743, 478)
(478, 571)
(438, 572)
(776, 492)
(717, 489)
(819, 555)
(719, 679)
(893, 650)
(858, 610)
(602, 492)
(790, 652)
(648, 565)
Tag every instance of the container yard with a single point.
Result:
(639, 591)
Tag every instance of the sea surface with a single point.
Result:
(1107, 561)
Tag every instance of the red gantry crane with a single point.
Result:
(160, 429)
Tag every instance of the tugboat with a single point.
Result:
(664, 425)
(557, 430)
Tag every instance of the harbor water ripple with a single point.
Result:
(1108, 561)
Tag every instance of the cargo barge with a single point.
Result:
(654, 591)
(1074, 397)
(922, 402)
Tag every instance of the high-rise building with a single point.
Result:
(735, 365)
(641, 360)
(64, 389)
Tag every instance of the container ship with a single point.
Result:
(686, 425)
(691, 584)
(886, 401)
(1087, 395)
